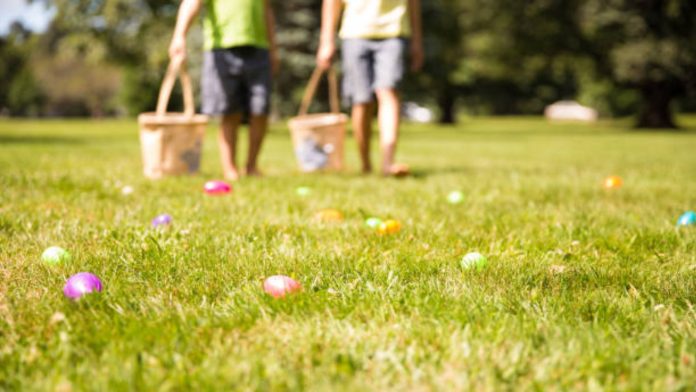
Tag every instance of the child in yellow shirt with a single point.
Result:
(375, 35)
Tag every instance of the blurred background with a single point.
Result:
(637, 58)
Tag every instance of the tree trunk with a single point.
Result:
(446, 103)
(655, 111)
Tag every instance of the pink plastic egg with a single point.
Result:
(81, 284)
(279, 286)
(217, 188)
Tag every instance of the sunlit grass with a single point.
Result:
(585, 288)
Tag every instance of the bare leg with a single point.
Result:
(389, 130)
(227, 142)
(362, 130)
(257, 130)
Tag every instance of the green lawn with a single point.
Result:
(183, 309)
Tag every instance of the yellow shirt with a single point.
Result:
(375, 19)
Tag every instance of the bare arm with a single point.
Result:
(270, 32)
(187, 13)
(417, 56)
(330, 12)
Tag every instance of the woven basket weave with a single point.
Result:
(171, 143)
(318, 139)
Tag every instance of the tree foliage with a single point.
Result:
(649, 46)
(482, 56)
(521, 56)
(21, 94)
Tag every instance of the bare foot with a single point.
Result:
(231, 175)
(253, 172)
(396, 170)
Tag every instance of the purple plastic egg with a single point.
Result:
(162, 220)
(80, 284)
(217, 187)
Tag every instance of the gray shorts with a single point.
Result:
(236, 80)
(371, 64)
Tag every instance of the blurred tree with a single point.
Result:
(502, 57)
(647, 45)
(20, 93)
(523, 55)
(74, 86)
(492, 56)
(444, 49)
(132, 34)
(24, 95)
(297, 25)
(506, 57)
(135, 35)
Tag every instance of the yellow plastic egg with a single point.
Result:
(389, 227)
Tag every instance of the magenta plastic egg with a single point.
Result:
(279, 286)
(80, 284)
(217, 187)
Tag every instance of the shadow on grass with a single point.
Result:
(424, 172)
(561, 133)
(39, 139)
(519, 128)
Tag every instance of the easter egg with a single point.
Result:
(389, 227)
(455, 197)
(613, 182)
(687, 219)
(329, 215)
(162, 220)
(217, 188)
(55, 255)
(80, 284)
(279, 286)
(303, 191)
(127, 190)
(373, 222)
(474, 260)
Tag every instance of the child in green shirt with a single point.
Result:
(375, 35)
(240, 55)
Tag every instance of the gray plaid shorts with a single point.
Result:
(371, 64)
(236, 80)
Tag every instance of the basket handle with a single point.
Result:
(312, 88)
(167, 86)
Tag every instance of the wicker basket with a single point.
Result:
(171, 143)
(318, 139)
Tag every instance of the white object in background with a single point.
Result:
(570, 111)
(416, 113)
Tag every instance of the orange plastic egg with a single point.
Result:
(389, 227)
(329, 215)
(613, 182)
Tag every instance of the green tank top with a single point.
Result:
(230, 23)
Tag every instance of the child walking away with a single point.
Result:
(240, 55)
(375, 35)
